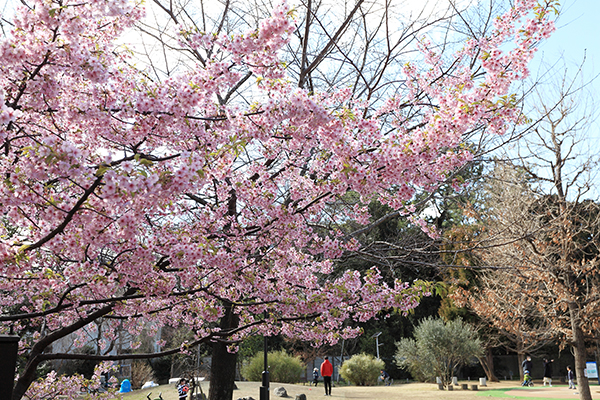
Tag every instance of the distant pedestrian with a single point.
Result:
(548, 372)
(326, 373)
(527, 364)
(571, 377)
(315, 377)
(385, 377)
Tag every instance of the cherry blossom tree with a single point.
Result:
(147, 201)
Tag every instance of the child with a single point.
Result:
(570, 377)
(182, 389)
(527, 381)
(385, 378)
(315, 377)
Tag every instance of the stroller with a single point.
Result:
(527, 381)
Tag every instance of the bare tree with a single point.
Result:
(543, 229)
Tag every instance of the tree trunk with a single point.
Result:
(25, 379)
(487, 362)
(35, 354)
(222, 369)
(580, 353)
(521, 357)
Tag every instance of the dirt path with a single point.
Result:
(419, 391)
(410, 391)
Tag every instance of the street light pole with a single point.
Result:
(376, 336)
(264, 389)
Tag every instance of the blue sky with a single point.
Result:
(577, 34)
(577, 38)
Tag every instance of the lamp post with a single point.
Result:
(341, 360)
(9, 345)
(376, 336)
(264, 389)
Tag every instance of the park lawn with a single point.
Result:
(398, 391)
(416, 391)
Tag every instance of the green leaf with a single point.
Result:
(102, 170)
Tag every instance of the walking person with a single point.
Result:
(326, 373)
(315, 377)
(527, 364)
(548, 372)
(571, 377)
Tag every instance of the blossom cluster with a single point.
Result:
(154, 203)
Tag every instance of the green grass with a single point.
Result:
(502, 393)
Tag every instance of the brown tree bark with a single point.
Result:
(222, 370)
(521, 358)
(35, 354)
(487, 362)
(580, 354)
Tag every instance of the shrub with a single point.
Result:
(438, 349)
(141, 372)
(283, 367)
(362, 369)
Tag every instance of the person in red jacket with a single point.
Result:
(326, 372)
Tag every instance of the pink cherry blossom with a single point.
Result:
(152, 203)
